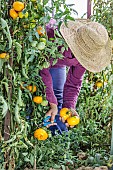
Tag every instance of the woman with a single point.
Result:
(90, 45)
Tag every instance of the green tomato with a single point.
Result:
(41, 46)
(46, 64)
(26, 15)
(34, 43)
(20, 14)
(43, 40)
(32, 25)
(44, 103)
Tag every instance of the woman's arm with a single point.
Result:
(73, 85)
(47, 79)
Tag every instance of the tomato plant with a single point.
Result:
(21, 58)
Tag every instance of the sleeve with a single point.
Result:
(73, 85)
(50, 32)
(47, 79)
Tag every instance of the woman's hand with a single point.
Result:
(74, 113)
(52, 112)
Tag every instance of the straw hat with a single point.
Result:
(89, 42)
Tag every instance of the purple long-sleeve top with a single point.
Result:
(74, 78)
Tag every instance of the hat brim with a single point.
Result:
(101, 59)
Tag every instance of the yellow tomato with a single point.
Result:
(26, 15)
(18, 6)
(99, 84)
(65, 113)
(13, 13)
(73, 120)
(4, 55)
(22, 15)
(41, 134)
(32, 88)
(38, 99)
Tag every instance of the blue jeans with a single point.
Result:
(58, 77)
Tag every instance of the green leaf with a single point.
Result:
(54, 61)
(62, 49)
(25, 153)
(16, 111)
(4, 23)
(111, 150)
(26, 159)
(10, 68)
(24, 71)
(6, 86)
(45, 2)
(19, 101)
(63, 167)
(30, 38)
(19, 51)
(70, 5)
(1, 63)
(32, 159)
(31, 58)
(59, 56)
(70, 18)
(37, 35)
(41, 156)
(53, 50)
(6, 32)
(4, 106)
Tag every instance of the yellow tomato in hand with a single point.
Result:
(73, 120)
(65, 113)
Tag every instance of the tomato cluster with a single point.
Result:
(68, 116)
(16, 10)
